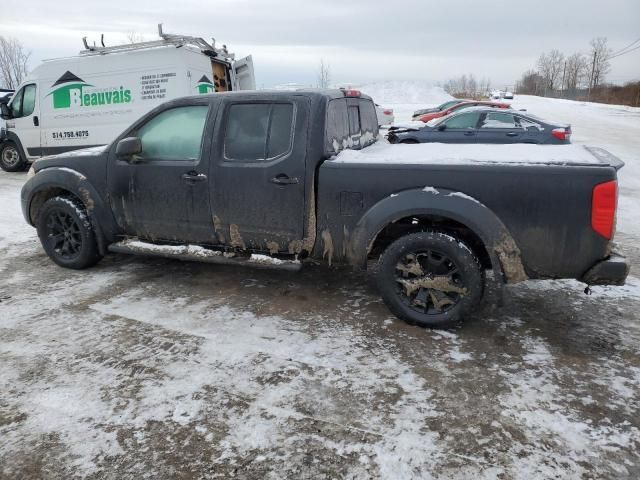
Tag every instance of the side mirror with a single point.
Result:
(442, 127)
(128, 147)
(6, 113)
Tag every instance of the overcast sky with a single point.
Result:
(362, 40)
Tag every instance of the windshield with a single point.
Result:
(448, 104)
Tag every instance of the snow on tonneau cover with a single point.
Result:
(447, 153)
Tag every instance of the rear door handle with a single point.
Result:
(283, 179)
(193, 177)
(36, 120)
(512, 134)
(469, 134)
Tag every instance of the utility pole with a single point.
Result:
(564, 71)
(593, 71)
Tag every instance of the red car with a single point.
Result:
(467, 103)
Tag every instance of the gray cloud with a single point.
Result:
(362, 40)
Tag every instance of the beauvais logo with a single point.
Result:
(205, 86)
(69, 91)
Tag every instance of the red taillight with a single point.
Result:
(351, 93)
(603, 208)
(561, 133)
(388, 112)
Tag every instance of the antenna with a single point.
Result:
(102, 39)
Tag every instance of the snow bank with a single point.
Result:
(413, 92)
(444, 153)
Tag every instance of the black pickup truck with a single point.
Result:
(284, 177)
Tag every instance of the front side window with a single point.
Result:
(499, 120)
(258, 131)
(174, 134)
(29, 100)
(16, 104)
(464, 120)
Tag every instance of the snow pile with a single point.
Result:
(445, 153)
(414, 92)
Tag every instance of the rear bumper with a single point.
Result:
(611, 271)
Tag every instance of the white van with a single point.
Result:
(87, 100)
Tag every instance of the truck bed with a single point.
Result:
(542, 194)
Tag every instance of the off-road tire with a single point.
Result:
(460, 271)
(66, 233)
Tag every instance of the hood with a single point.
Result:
(71, 157)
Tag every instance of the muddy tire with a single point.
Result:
(430, 279)
(10, 158)
(66, 233)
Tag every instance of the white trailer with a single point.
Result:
(87, 100)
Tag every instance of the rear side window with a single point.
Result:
(499, 120)
(174, 134)
(368, 117)
(463, 120)
(354, 120)
(258, 131)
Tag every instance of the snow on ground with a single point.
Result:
(153, 368)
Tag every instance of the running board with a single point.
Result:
(196, 253)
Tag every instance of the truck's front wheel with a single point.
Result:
(66, 233)
(431, 279)
(10, 158)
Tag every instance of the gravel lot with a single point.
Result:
(153, 368)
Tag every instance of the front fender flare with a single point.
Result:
(502, 249)
(77, 184)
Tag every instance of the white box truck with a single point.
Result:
(87, 100)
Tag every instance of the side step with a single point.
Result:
(196, 253)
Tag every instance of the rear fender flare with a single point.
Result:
(502, 249)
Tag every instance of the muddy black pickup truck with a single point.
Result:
(281, 178)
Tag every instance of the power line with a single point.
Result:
(623, 49)
(624, 53)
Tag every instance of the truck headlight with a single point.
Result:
(31, 173)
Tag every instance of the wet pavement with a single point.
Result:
(154, 368)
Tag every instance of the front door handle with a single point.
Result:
(469, 134)
(512, 134)
(193, 177)
(283, 179)
(36, 120)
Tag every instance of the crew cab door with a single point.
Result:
(25, 119)
(258, 194)
(163, 192)
(244, 75)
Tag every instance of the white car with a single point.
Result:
(508, 95)
(385, 115)
(495, 95)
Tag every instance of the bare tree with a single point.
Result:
(575, 72)
(599, 64)
(550, 67)
(13, 62)
(324, 74)
(134, 37)
(531, 83)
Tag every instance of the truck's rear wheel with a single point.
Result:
(66, 233)
(10, 158)
(431, 279)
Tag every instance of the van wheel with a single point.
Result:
(10, 158)
(66, 233)
(430, 279)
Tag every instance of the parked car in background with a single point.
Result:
(508, 95)
(485, 125)
(418, 113)
(458, 106)
(385, 115)
(495, 95)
